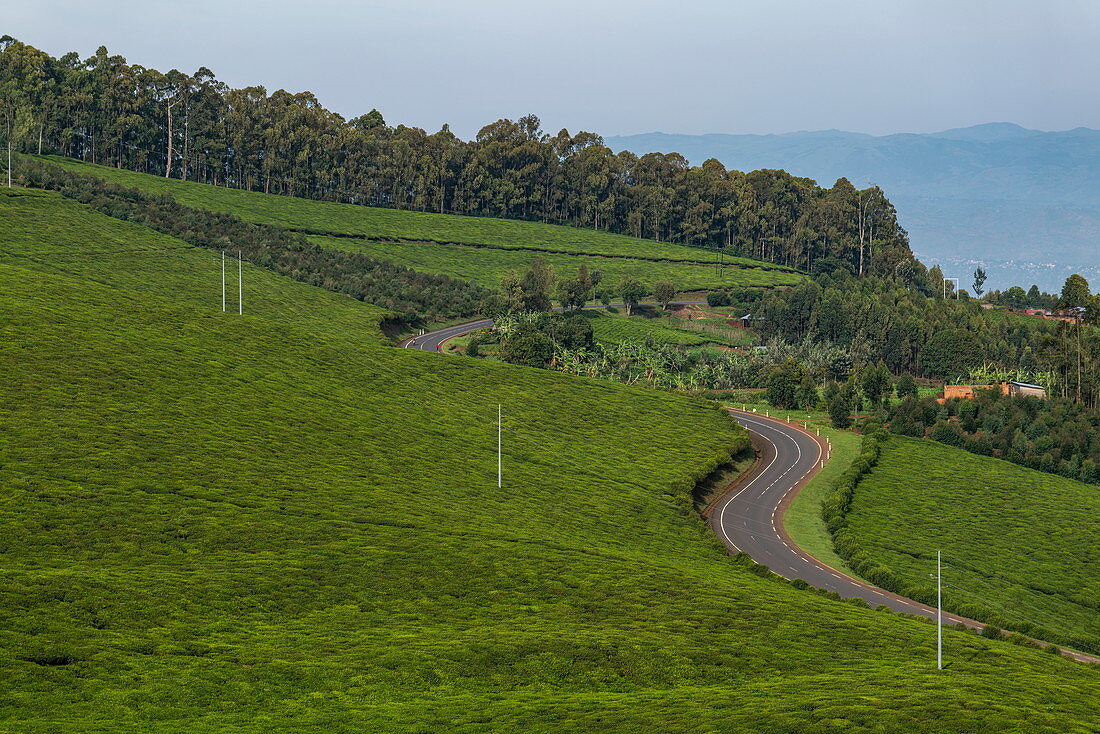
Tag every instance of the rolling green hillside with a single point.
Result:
(478, 248)
(487, 266)
(276, 522)
(362, 221)
(47, 233)
(1020, 546)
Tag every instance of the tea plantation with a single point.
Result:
(477, 248)
(1020, 547)
(488, 265)
(618, 328)
(278, 522)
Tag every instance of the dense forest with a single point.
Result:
(1016, 297)
(847, 334)
(1055, 435)
(905, 323)
(193, 126)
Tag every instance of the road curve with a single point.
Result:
(749, 517)
(431, 341)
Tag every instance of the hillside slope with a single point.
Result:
(481, 249)
(219, 523)
(1019, 545)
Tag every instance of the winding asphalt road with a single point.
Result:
(749, 517)
(431, 341)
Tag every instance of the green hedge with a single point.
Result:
(835, 510)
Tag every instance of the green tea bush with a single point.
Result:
(847, 544)
(279, 522)
(487, 266)
(1016, 543)
(379, 282)
(442, 242)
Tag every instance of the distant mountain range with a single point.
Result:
(1023, 203)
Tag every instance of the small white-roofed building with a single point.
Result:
(1020, 389)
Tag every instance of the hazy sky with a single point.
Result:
(621, 66)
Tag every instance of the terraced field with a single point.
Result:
(277, 522)
(487, 266)
(479, 249)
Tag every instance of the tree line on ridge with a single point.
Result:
(195, 127)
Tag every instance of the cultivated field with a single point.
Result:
(487, 265)
(277, 522)
(618, 328)
(1020, 546)
(480, 249)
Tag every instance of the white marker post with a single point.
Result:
(939, 615)
(240, 284)
(223, 281)
(954, 282)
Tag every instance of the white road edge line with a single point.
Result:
(728, 500)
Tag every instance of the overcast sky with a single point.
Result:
(622, 66)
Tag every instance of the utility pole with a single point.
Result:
(1080, 361)
(500, 482)
(168, 163)
(223, 281)
(939, 615)
(240, 284)
(8, 131)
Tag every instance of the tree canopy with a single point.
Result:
(906, 323)
(1075, 292)
(195, 127)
